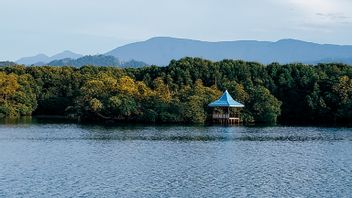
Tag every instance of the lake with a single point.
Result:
(71, 160)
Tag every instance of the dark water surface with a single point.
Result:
(70, 160)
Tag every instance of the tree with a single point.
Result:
(16, 95)
(8, 86)
(179, 92)
(194, 111)
(343, 91)
(264, 106)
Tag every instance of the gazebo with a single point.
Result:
(223, 113)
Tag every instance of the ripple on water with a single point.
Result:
(68, 160)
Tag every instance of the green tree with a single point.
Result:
(264, 106)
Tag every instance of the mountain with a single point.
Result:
(65, 54)
(42, 59)
(97, 60)
(160, 50)
(133, 64)
(335, 60)
(7, 63)
(33, 59)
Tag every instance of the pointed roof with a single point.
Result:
(225, 101)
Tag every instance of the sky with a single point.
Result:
(30, 27)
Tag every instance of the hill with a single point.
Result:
(42, 59)
(160, 50)
(96, 60)
(7, 63)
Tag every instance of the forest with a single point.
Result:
(179, 92)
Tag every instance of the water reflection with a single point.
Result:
(15, 121)
(206, 134)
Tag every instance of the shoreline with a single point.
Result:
(57, 119)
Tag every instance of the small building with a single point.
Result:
(226, 110)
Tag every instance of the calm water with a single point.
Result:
(69, 160)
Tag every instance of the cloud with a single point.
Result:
(334, 16)
(321, 6)
(320, 14)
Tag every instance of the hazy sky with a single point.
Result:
(29, 27)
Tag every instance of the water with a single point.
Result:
(69, 160)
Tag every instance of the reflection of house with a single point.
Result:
(226, 109)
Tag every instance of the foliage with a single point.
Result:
(264, 106)
(180, 92)
(17, 97)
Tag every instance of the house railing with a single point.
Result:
(224, 116)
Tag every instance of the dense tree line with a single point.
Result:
(180, 92)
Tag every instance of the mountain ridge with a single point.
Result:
(43, 58)
(96, 60)
(161, 50)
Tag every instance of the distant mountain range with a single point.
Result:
(42, 59)
(7, 63)
(97, 60)
(160, 50)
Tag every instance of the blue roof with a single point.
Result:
(225, 101)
